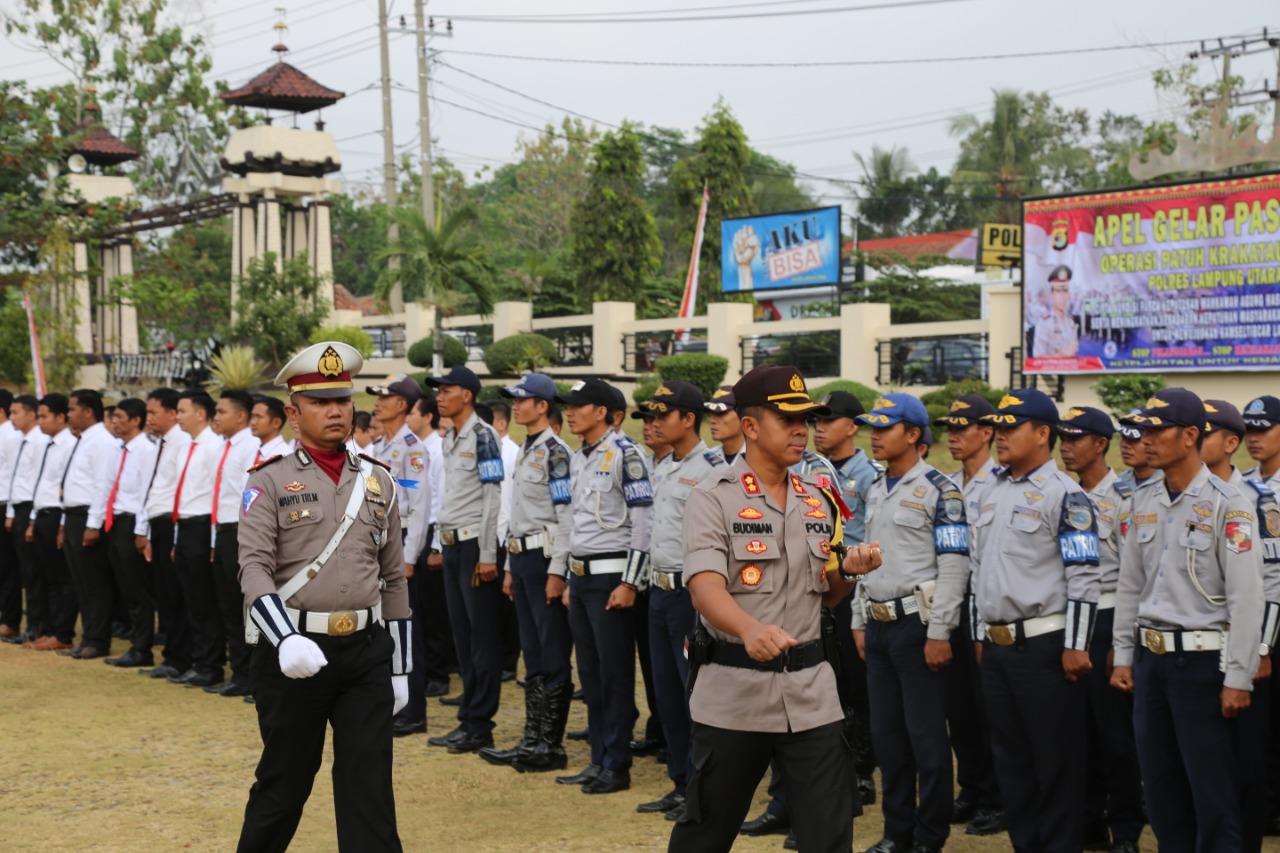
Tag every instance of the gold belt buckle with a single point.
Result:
(882, 612)
(513, 545)
(448, 538)
(1154, 641)
(342, 623)
(663, 580)
(1002, 635)
(578, 567)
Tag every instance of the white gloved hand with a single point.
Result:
(400, 687)
(302, 659)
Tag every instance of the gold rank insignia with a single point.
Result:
(298, 515)
(371, 483)
(330, 364)
(295, 486)
(750, 513)
(1009, 400)
(796, 383)
(755, 546)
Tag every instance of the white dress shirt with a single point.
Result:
(235, 472)
(27, 456)
(139, 457)
(171, 453)
(433, 444)
(510, 450)
(196, 497)
(277, 446)
(10, 440)
(90, 472)
(49, 487)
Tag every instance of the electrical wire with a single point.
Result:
(661, 19)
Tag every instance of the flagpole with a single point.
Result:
(689, 303)
(37, 363)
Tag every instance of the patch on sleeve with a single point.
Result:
(246, 500)
(488, 456)
(636, 488)
(417, 462)
(558, 474)
(1078, 531)
(1239, 537)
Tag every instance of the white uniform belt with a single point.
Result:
(587, 566)
(1008, 635)
(1161, 642)
(668, 581)
(339, 623)
(1107, 601)
(459, 535)
(520, 544)
(890, 611)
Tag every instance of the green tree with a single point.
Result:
(55, 307)
(276, 308)
(719, 162)
(774, 187)
(886, 205)
(615, 240)
(913, 295)
(435, 265)
(359, 232)
(15, 347)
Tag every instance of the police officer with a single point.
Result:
(468, 529)
(1036, 586)
(764, 688)
(676, 418)
(903, 623)
(1056, 332)
(978, 803)
(1113, 806)
(403, 453)
(608, 531)
(1191, 583)
(726, 428)
(1139, 471)
(541, 493)
(322, 568)
(1224, 432)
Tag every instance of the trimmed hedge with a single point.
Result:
(866, 396)
(351, 335)
(697, 368)
(938, 402)
(420, 354)
(519, 353)
(646, 385)
(1122, 393)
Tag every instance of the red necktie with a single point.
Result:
(217, 482)
(111, 498)
(177, 495)
(257, 456)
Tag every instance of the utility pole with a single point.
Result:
(424, 145)
(389, 151)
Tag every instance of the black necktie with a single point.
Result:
(16, 460)
(152, 481)
(62, 487)
(40, 473)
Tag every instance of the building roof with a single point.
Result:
(344, 300)
(283, 87)
(100, 146)
(948, 244)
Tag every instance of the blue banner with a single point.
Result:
(781, 250)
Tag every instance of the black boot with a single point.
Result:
(532, 725)
(549, 754)
(858, 731)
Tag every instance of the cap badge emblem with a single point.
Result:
(797, 384)
(330, 363)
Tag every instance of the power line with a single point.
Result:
(526, 19)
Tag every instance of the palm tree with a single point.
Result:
(437, 265)
(998, 153)
(886, 204)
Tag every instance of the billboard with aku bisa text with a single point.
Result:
(781, 250)
(1180, 277)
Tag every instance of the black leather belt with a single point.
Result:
(22, 506)
(195, 519)
(228, 526)
(793, 659)
(76, 510)
(45, 512)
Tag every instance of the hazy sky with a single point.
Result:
(812, 117)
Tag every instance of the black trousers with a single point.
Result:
(640, 612)
(10, 580)
(90, 571)
(226, 580)
(727, 767)
(1037, 726)
(352, 692)
(1114, 780)
(605, 643)
(52, 563)
(671, 618)
(136, 584)
(415, 710)
(33, 582)
(967, 720)
(510, 622)
(1188, 752)
(909, 729)
(438, 655)
(545, 639)
(475, 613)
(194, 569)
(171, 605)
(1252, 744)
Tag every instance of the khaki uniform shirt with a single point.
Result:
(1212, 528)
(924, 536)
(288, 513)
(1056, 336)
(775, 571)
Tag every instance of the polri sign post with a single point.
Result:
(781, 250)
(1169, 278)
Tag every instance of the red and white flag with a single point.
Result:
(37, 363)
(690, 302)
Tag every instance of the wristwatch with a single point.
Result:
(1264, 650)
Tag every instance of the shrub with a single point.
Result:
(867, 396)
(236, 368)
(1122, 393)
(520, 353)
(646, 385)
(455, 352)
(351, 335)
(489, 392)
(938, 402)
(697, 368)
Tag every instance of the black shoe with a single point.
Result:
(71, 652)
(986, 822)
(249, 700)
(923, 848)
(962, 810)
(609, 782)
(1124, 847)
(668, 802)
(119, 630)
(447, 740)
(867, 790)
(580, 734)
(579, 695)
(436, 688)
(676, 813)
(399, 729)
(521, 683)
(887, 845)
(131, 658)
(646, 746)
(164, 670)
(1097, 835)
(790, 842)
(452, 701)
(508, 675)
(234, 687)
(205, 679)
(183, 678)
(587, 775)
(767, 824)
(471, 742)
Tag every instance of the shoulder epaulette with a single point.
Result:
(714, 458)
(410, 439)
(1260, 487)
(265, 462)
(941, 481)
(1123, 489)
(1228, 489)
(378, 462)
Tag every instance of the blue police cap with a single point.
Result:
(966, 411)
(892, 409)
(1220, 415)
(1086, 420)
(1169, 407)
(1127, 430)
(458, 375)
(538, 385)
(1022, 405)
(1262, 413)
